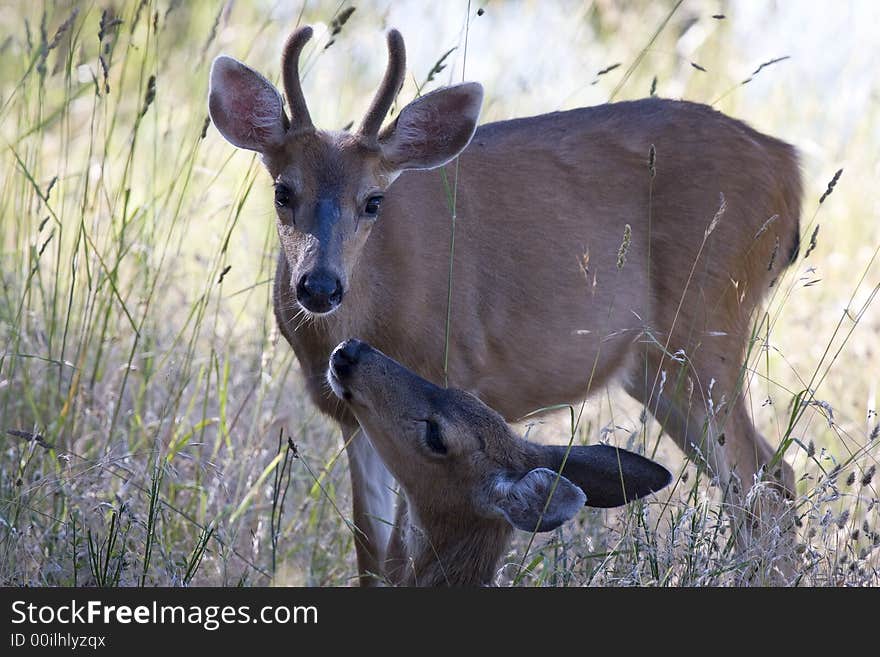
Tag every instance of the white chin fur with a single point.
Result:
(335, 385)
(312, 313)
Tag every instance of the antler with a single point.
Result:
(290, 72)
(391, 84)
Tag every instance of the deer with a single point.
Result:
(627, 243)
(467, 480)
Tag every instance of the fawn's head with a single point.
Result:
(454, 455)
(329, 184)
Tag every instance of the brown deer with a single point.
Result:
(466, 479)
(582, 256)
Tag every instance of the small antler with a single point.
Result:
(290, 73)
(391, 84)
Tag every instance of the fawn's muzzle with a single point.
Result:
(346, 356)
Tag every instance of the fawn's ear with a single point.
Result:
(525, 502)
(433, 129)
(247, 110)
(608, 475)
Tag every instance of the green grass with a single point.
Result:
(153, 428)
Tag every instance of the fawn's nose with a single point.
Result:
(319, 291)
(346, 356)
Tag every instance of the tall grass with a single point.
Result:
(153, 428)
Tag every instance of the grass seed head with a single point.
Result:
(832, 183)
(624, 246)
(812, 241)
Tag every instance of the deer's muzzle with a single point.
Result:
(343, 362)
(319, 291)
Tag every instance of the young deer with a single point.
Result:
(546, 303)
(466, 479)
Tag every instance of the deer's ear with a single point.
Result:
(433, 129)
(610, 476)
(525, 502)
(247, 110)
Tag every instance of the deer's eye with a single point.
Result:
(283, 196)
(371, 209)
(433, 438)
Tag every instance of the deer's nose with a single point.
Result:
(346, 356)
(319, 291)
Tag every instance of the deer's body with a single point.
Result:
(548, 304)
(529, 317)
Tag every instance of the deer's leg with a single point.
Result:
(766, 516)
(679, 410)
(713, 426)
(372, 494)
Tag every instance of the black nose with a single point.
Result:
(319, 291)
(346, 356)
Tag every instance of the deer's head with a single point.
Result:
(329, 185)
(456, 457)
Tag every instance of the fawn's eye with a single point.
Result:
(282, 196)
(433, 439)
(371, 209)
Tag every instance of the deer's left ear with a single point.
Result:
(527, 503)
(433, 129)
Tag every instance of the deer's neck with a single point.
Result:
(313, 338)
(454, 549)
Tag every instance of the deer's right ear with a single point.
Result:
(247, 110)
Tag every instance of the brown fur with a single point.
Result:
(521, 298)
(456, 549)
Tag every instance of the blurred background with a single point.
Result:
(146, 400)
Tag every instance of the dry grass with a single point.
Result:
(147, 403)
